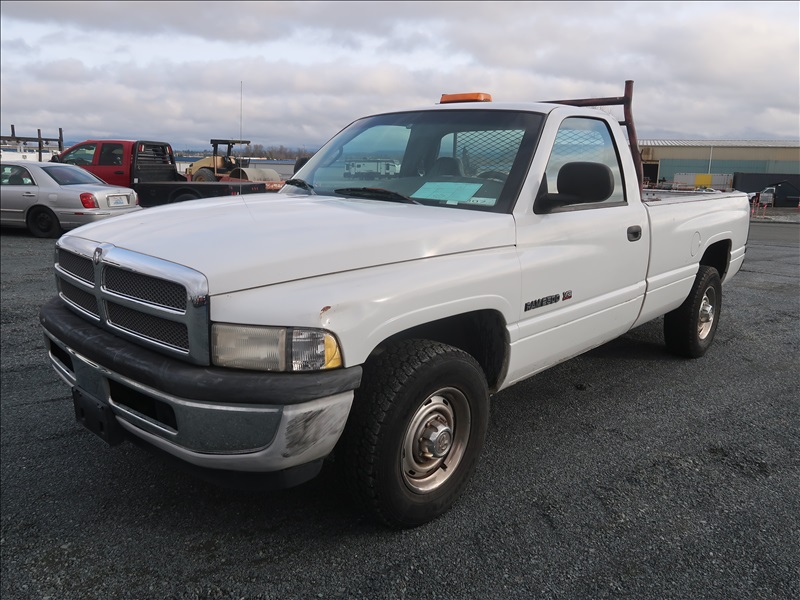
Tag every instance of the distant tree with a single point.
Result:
(279, 152)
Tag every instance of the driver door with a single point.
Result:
(82, 155)
(583, 265)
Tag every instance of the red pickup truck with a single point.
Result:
(150, 169)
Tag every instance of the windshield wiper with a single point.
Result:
(376, 194)
(302, 184)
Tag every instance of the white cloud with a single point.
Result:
(294, 73)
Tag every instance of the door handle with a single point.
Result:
(119, 172)
(634, 233)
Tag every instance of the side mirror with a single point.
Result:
(578, 183)
(299, 163)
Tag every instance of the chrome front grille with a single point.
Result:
(148, 326)
(77, 265)
(145, 288)
(81, 298)
(155, 303)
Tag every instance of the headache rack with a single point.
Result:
(626, 101)
(40, 141)
(154, 162)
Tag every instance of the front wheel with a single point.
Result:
(416, 431)
(689, 329)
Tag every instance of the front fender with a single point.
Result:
(366, 306)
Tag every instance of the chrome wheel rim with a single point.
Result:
(435, 440)
(706, 316)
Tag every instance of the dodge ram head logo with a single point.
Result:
(98, 255)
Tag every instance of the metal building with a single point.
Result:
(663, 159)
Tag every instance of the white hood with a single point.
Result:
(254, 240)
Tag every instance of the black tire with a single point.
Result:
(204, 174)
(689, 329)
(185, 197)
(43, 223)
(416, 431)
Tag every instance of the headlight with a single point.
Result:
(273, 348)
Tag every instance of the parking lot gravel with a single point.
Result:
(623, 473)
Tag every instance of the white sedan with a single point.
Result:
(49, 198)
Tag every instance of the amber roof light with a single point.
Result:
(471, 97)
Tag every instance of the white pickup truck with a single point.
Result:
(375, 312)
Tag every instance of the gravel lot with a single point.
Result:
(625, 473)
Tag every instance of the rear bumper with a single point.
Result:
(71, 219)
(213, 418)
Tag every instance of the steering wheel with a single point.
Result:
(495, 175)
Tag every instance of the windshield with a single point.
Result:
(69, 175)
(468, 159)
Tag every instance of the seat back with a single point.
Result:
(447, 165)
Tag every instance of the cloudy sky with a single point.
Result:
(294, 73)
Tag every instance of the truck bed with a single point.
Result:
(157, 193)
(651, 197)
(715, 225)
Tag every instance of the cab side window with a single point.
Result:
(82, 155)
(110, 155)
(582, 140)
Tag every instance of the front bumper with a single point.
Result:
(225, 419)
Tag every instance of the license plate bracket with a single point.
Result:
(118, 201)
(97, 417)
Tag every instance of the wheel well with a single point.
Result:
(482, 334)
(37, 207)
(184, 194)
(717, 255)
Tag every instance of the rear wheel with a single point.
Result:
(416, 431)
(204, 174)
(689, 329)
(43, 223)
